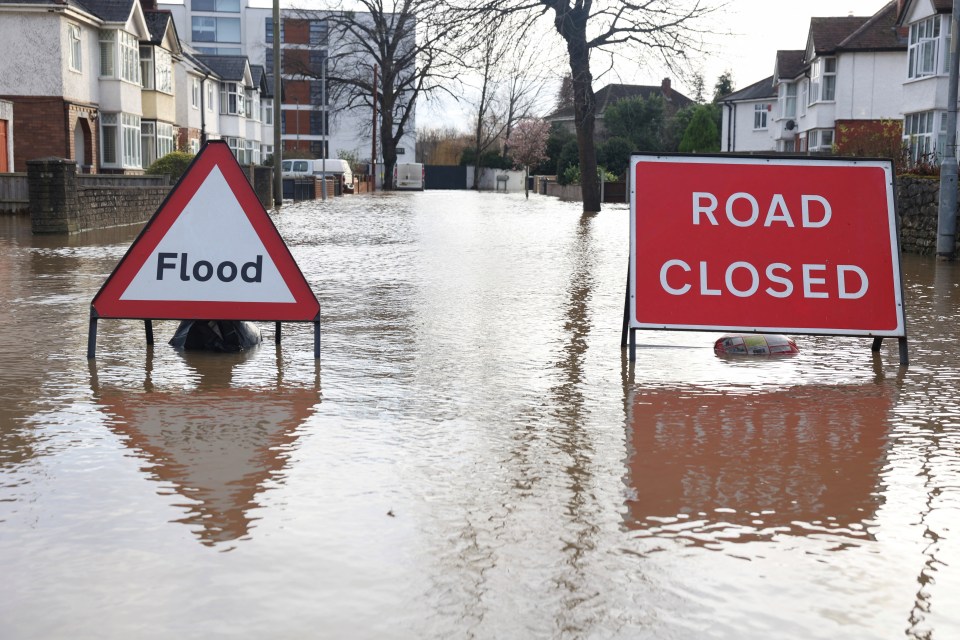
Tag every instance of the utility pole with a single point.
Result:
(277, 110)
(947, 214)
(323, 124)
(373, 150)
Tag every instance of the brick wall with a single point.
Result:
(40, 129)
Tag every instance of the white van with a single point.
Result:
(408, 175)
(334, 167)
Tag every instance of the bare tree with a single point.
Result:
(669, 28)
(511, 79)
(383, 58)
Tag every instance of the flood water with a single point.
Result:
(473, 457)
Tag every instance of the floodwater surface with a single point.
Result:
(472, 457)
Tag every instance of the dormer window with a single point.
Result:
(823, 86)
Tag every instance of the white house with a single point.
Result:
(748, 118)
(847, 81)
(198, 104)
(924, 72)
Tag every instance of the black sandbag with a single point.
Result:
(224, 336)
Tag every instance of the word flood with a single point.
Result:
(203, 270)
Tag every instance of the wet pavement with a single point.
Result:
(473, 456)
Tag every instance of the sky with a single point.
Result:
(748, 35)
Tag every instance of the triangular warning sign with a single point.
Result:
(209, 252)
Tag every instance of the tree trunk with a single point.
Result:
(571, 24)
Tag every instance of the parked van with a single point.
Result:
(334, 167)
(408, 175)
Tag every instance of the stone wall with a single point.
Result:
(58, 204)
(918, 204)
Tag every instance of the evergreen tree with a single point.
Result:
(702, 135)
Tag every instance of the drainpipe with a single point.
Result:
(203, 109)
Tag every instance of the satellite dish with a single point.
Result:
(791, 125)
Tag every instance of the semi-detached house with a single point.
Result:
(108, 83)
(849, 77)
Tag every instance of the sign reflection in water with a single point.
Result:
(216, 445)
(707, 467)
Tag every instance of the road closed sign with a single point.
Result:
(781, 245)
(210, 252)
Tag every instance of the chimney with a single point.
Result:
(665, 87)
(900, 4)
(149, 5)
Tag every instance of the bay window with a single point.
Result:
(928, 47)
(231, 99)
(788, 100)
(119, 56)
(120, 138)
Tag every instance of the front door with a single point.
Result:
(4, 163)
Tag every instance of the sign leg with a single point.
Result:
(92, 336)
(276, 334)
(626, 311)
(633, 345)
(148, 329)
(876, 344)
(904, 356)
(316, 339)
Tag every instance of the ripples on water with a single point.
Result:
(473, 457)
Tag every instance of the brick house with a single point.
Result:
(72, 72)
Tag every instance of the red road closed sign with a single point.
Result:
(784, 245)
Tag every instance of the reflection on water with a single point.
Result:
(215, 444)
(484, 462)
(707, 466)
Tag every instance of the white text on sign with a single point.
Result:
(778, 280)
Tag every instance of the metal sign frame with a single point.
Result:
(667, 171)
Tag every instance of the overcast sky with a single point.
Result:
(757, 28)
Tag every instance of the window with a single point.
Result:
(805, 97)
(194, 146)
(211, 29)
(129, 58)
(148, 143)
(268, 30)
(131, 139)
(164, 71)
(253, 105)
(76, 49)
(820, 140)
(122, 46)
(760, 116)
(231, 99)
(918, 134)
(926, 45)
(120, 138)
(164, 139)
(788, 100)
(195, 93)
(266, 108)
(107, 54)
(823, 87)
(210, 94)
(318, 148)
(146, 67)
(318, 32)
(108, 139)
(317, 94)
(220, 6)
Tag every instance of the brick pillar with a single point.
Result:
(53, 195)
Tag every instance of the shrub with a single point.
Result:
(173, 164)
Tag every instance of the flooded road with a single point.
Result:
(473, 457)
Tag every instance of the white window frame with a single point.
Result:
(130, 129)
(232, 99)
(129, 57)
(928, 47)
(76, 48)
(108, 54)
(148, 143)
(195, 92)
(266, 107)
(211, 94)
(823, 82)
(147, 74)
(109, 140)
(760, 111)
(922, 135)
(165, 143)
(788, 100)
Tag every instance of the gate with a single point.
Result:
(445, 177)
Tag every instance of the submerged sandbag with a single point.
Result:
(224, 336)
